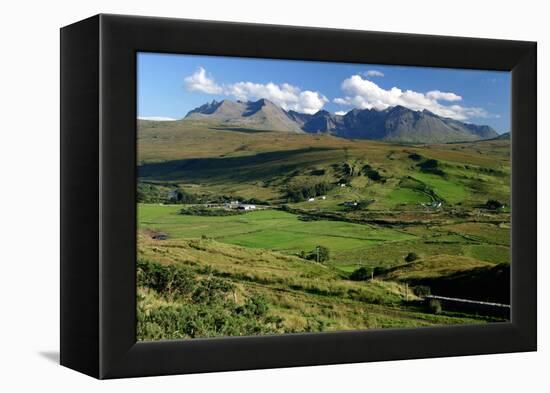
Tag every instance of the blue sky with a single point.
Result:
(171, 85)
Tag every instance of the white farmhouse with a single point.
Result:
(246, 207)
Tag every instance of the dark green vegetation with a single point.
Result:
(435, 306)
(163, 193)
(196, 307)
(319, 254)
(344, 234)
(300, 193)
(361, 274)
(487, 283)
(208, 212)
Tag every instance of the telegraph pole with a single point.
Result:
(317, 248)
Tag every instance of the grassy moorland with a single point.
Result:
(409, 217)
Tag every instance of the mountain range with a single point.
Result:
(395, 124)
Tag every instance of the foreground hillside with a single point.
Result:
(397, 221)
(203, 288)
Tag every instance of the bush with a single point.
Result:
(149, 193)
(364, 204)
(435, 306)
(431, 166)
(379, 270)
(320, 254)
(493, 204)
(372, 173)
(170, 280)
(203, 211)
(253, 307)
(348, 169)
(211, 290)
(422, 290)
(415, 156)
(361, 274)
(180, 196)
(176, 321)
(196, 306)
(411, 256)
(253, 201)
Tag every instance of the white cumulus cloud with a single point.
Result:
(340, 113)
(285, 95)
(373, 73)
(199, 81)
(365, 94)
(443, 96)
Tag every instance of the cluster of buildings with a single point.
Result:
(239, 205)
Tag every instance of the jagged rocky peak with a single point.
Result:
(397, 123)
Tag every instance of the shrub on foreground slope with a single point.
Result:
(177, 303)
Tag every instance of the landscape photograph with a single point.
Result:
(282, 196)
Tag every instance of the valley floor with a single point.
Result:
(256, 256)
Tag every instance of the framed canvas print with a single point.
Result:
(239, 196)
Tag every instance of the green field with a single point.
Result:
(269, 229)
(381, 202)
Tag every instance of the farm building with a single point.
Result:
(433, 205)
(246, 207)
(311, 199)
(232, 205)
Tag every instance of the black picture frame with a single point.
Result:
(98, 201)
